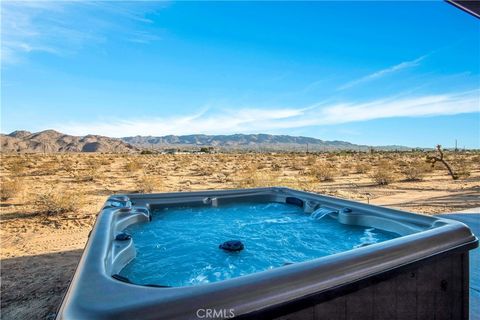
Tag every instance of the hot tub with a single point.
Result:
(302, 256)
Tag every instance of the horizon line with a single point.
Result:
(245, 134)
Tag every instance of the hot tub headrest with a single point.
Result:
(295, 201)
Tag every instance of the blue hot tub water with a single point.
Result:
(180, 246)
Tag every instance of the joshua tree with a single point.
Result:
(434, 159)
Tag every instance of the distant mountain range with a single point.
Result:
(248, 141)
(53, 141)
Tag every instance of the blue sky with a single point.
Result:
(373, 73)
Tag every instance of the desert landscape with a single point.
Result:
(50, 201)
(339, 98)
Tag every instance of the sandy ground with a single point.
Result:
(41, 244)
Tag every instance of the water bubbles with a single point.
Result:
(181, 248)
(320, 213)
(369, 237)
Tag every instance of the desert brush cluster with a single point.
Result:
(58, 185)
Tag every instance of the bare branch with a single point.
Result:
(433, 159)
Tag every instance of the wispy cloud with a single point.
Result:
(429, 105)
(64, 27)
(143, 37)
(274, 120)
(383, 72)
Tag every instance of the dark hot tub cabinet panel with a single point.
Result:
(421, 275)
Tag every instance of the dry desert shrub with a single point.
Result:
(104, 160)
(17, 166)
(297, 164)
(362, 167)
(182, 160)
(133, 165)
(331, 156)
(47, 168)
(68, 166)
(344, 170)
(251, 178)
(415, 171)
(228, 175)
(206, 171)
(324, 171)
(303, 184)
(70, 169)
(383, 174)
(246, 178)
(266, 179)
(463, 170)
(221, 158)
(276, 166)
(148, 184)
(9, 188)
(475, 160)
(90, 173)
(463, 165)
(149, 163)
(311, 160)
(401, 164)
(56, 202)
(262, 164)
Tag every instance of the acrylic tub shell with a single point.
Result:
(94, 294)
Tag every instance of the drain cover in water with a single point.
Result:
(232, 245)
